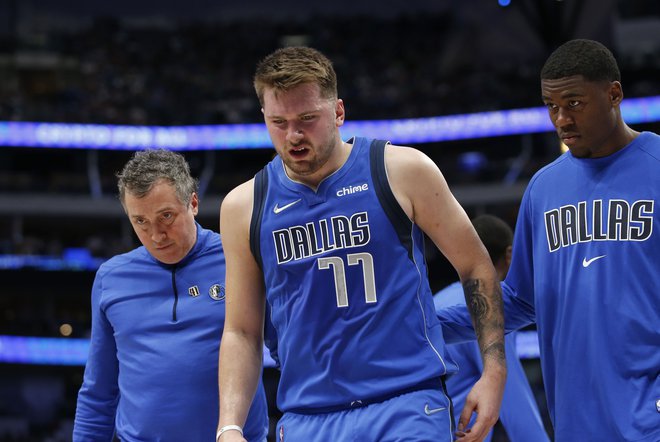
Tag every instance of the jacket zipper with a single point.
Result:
(176, 293)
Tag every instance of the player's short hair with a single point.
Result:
(495, 233)
(289, 67)
(150, 166)
(587, 58)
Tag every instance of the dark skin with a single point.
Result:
(587, 115)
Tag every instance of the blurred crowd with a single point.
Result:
(117, 74)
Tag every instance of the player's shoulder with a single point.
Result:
(550, 172)
(240, 197)
(404, 152)
(236, 210)
(649, 142)
(408, 160)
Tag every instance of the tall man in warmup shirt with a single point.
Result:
(585, 258)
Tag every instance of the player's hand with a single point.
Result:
(484, 399)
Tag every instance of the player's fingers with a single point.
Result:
(465, 416)
(481, 427)
(461, 435)
(477, 433)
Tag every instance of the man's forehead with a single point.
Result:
(151, 204)
(566, 87)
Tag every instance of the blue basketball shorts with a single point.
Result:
(418, 416)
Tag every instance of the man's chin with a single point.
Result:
(580, 153)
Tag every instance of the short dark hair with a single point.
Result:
(148, 167)
(495, 233)
(289, 67)
(587, 58)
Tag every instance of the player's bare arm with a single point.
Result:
(242, 339)
(422, 192)
(424, 195)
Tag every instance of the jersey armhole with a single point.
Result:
(393, 210)
(260, 188)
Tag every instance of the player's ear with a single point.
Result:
(194, 203)
(616, 93)
(340, 112)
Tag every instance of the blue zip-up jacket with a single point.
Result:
(152, 371)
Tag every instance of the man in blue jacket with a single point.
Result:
(157, 319)
(519, 413)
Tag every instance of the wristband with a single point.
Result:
(229, 428)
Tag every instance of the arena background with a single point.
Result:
(146, 65)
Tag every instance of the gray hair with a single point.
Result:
(148, 167)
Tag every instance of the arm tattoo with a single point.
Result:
(494, 351)
(487, 315)
(476, 301)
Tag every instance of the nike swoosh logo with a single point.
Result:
(277, 210)
(587, 262)
(429, 411)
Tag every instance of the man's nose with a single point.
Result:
(157, 234)
(564, 118)
(294, 134)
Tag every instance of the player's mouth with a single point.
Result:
(569, 139)
(298, 151)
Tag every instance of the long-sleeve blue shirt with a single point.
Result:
(585, 269)
(152, 371)
(519, 413)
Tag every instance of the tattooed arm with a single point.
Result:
(423, 194)
(488, 318)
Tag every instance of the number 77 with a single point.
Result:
(339, 272)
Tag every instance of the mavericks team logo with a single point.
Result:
(217, 292)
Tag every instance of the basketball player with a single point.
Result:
(330, 235)
(585, 257)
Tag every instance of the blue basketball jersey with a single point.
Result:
(586, 254)
(347, 287)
